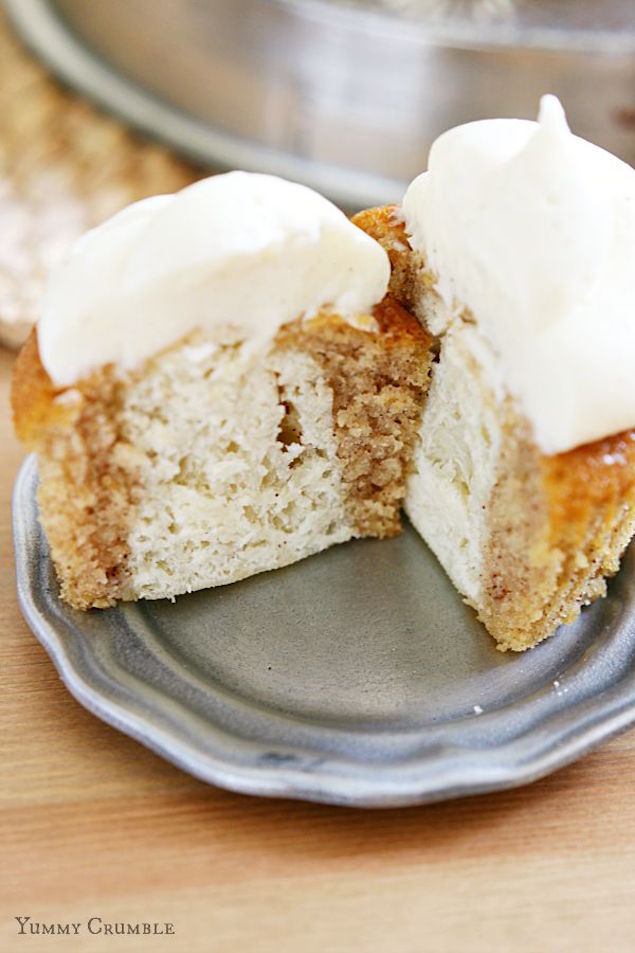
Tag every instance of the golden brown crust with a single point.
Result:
(599, 475)
(557, 527)
(385, 224)
(33, 395)
(84, 491)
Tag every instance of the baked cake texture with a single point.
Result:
(215, 461)
(527, 538)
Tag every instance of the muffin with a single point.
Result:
(515, 252)
(217, 386)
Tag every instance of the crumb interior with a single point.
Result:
(215, 462)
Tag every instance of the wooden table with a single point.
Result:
(93, 825)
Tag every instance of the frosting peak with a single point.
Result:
(552, 119)
(533, 230)
(235, 255)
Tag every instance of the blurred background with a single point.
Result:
(344, 95)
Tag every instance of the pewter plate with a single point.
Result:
(355, 677)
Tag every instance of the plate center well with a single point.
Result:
(368, 632)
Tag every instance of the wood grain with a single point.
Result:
(92, 824)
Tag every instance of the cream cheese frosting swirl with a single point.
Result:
(532, 229)
(235, 255)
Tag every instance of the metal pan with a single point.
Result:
(346, 97)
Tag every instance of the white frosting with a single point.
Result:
(533, 230)
(235, 255)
